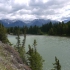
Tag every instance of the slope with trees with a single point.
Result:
(3, 34)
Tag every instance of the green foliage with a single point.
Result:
(35, 61)
(57, 65)
(61, 29)
(22, 54)
(24, 40)
(18, 39)
(20, 48)
(40, 32)
(51, 32)
(3, 34)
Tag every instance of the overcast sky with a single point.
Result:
(32, 9)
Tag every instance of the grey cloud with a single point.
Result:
(56, 3)
(17, 7)
(51, 4)
(34, 8)
(48, 8)
(44, 12)
(33, 4)
(9, 7)
(42, 8)
(65, 18)
(4, 1)
(5, 9)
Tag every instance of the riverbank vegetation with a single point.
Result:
(32, 58)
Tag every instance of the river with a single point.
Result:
(49, 47)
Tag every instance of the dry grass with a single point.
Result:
(9, 59)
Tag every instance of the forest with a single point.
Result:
(56, 29)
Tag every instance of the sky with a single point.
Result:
(35, 9)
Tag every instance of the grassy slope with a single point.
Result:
(10, 60)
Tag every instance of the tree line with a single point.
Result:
(61, 29)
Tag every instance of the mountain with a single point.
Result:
(17, 23)
(40, 22)
(65, 21)
(12, 23)
(20, 23)
(5, 22)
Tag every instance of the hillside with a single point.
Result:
(9, 59)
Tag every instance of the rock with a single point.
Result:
(10, 59)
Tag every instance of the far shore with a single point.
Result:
(41, 35)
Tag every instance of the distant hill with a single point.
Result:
(66, 20)
(20, 23)
(12, 23)
(17, 23)
(40, 22)
(5, 22)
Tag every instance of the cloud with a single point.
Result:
(31, 9)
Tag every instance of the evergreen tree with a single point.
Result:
(57, 65)
(21, 48)
(39, 32)
(3, 34)
(24, 40)
(30, 31)
(51, 31)
(35, 61)
(18, 39)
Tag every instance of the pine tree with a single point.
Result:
(21, 48)
(3, 34)
(18, 39)
(35, 61)
(57, 65)
(24, 40)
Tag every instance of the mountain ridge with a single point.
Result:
(20, 23)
